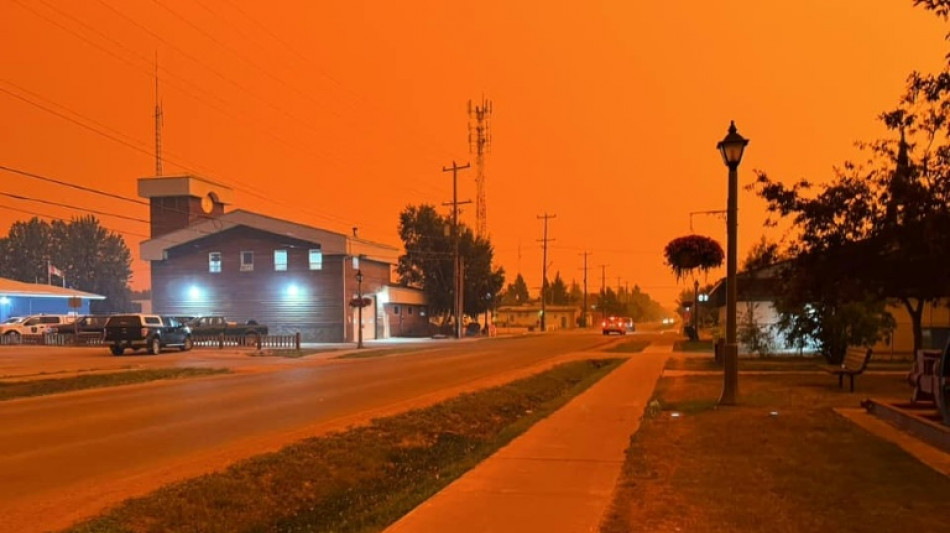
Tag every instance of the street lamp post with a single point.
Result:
(359, 308)
(731, 148)
(696, 307)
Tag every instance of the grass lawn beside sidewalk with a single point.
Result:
(41, 387)
(780, 461)
(634, 346)
(362, 479)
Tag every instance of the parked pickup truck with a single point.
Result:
(83, 324)
(207, 326)
(152, 332)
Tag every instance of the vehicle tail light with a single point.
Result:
(144, 332)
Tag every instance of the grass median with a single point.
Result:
(780, 461)
(41, 387)
(362, 479)
(628, 347)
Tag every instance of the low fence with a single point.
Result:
(259, 342)
(54, 339)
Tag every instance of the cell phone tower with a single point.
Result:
(479, 143)
(159, 121)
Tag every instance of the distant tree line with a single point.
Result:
(623, 302)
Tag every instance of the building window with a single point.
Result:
(280, 260)
(409, 310)
(316, 259)
(214, 262)
(247, 261)
(395, 309)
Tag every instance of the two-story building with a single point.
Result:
(244, 265)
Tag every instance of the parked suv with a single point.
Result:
(152, 332)
(33, 325)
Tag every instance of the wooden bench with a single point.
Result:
(855, 362)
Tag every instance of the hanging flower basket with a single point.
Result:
(693, 252)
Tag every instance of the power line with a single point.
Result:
(67, 206)
(45, 215)
(72, 185)
(133, 143)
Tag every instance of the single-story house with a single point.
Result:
(18, 298)
(529, 316)
(756, 299)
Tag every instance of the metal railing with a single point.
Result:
(220, 341)
(259, 342)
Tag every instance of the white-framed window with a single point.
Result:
(247, 261)
(214, 262)
(316, 259)
(280, 260)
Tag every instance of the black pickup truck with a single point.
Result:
(207, 326)
(152, 332)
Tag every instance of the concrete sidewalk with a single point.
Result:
(557, 476)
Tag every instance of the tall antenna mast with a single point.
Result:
(158, 124)
(479, 140)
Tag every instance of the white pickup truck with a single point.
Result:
(32, 325)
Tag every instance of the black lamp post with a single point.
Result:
(731, 148)
(359, 308)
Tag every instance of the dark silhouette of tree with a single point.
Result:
(516, 293)
(428, 262)
(762, 254)
(875, 231)
(92, 258)
(557, 292)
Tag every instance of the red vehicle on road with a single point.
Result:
(614, 324)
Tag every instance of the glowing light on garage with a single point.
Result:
(194, 292)
(293, 290)
(4, 300)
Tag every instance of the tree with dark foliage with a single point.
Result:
(92, 258)
(427, 263)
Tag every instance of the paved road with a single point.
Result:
(67, 456)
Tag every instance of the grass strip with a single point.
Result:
(378, 352)
(42, 387)
(628, 347)
(780, 461)
(693, 346)
(362, 479)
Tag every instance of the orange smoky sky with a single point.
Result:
(340, 114)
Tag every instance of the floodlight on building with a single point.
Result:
(194, 292)
(4, 300)
(293, 290)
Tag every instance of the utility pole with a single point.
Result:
(544, 269)
(457, 260)
(584, 314)
(479, 140)
(603, 290)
